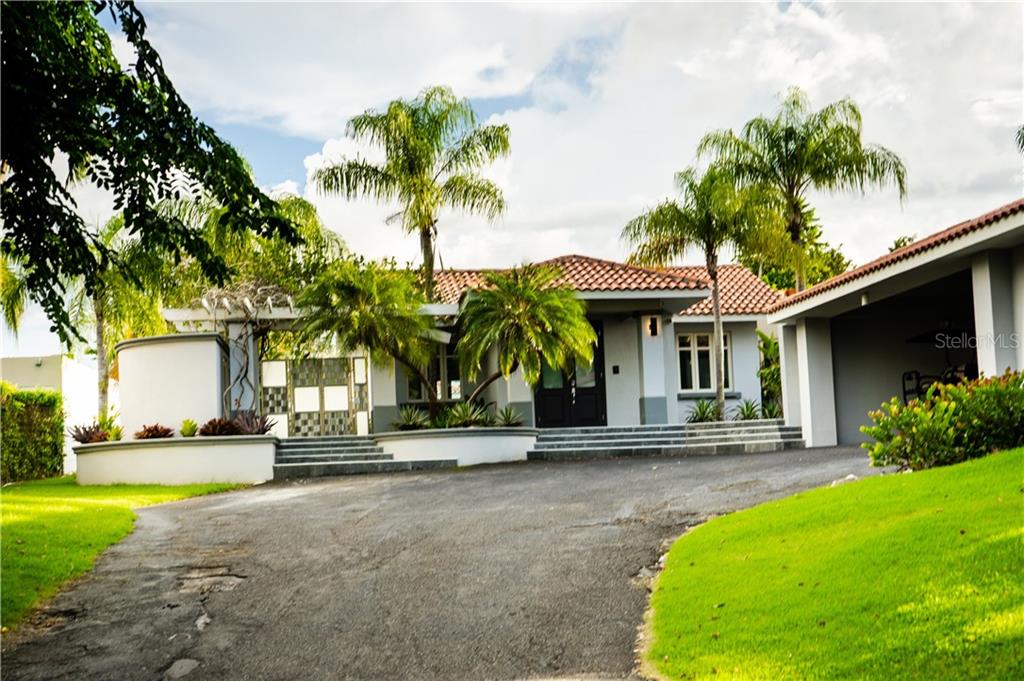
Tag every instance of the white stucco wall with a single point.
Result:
(178, 461)
(167, 379)
(622, 389)
(993, 286)
(468, 446)
(817, 396)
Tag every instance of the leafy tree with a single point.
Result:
(359, 304)
(713, 212)
(118, 306)
(779, 262)
(798, 150)
(126, 131)
(770, 372)
(902, 242)
(433, 148)
(529, 319)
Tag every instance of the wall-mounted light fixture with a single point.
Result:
(653, 326)
(864, 299)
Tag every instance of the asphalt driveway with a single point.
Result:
(500, 572)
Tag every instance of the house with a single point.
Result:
(947, 306)
(652, 361)
(72, 378)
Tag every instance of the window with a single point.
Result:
(696, 370)
(443, 372)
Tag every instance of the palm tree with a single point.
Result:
(529, 319)
(433, 149)
(712, 213)
(374, 306)
(798, 150)
(13, 293)
(125, 302)
(1020, 138)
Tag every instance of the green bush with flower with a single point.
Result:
(950, 424)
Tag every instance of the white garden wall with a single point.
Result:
(470, 446)
(178, 461)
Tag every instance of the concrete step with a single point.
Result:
(681, 450)
(668, 426)
(330, 458)
(333, 440)
(671, 434)
(286, 471)
(327, 449)
(663, 442)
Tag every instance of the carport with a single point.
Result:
(947, 306)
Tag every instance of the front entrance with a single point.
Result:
(575, 398)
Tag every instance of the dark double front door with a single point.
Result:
(576, 398)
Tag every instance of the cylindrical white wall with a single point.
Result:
(167, 379)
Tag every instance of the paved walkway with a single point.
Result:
(500, 572)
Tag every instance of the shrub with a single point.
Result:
(154, 432)
(220, 426)
(746, 410)
(702, 411)
(88, 434)
(467, 415)
(189, 428)
(250, 423)
(508, 417)
(950, 424)
(771, 410)
(109, 424)
(770, 373)
(32, 427)
(411, 418)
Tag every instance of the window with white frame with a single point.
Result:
(443, 372)
(696, 370)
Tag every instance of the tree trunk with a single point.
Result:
(427, 248)
(716, 345)
(102, 364)
(433, 403)
(795, 227)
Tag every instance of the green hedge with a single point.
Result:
(950, 424)
(32, 433)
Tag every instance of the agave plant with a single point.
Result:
(189, 428)
(411, 418)
(702, 411)
(154, 431)
(508, 417)
(251, 423)
(108, 423)
(771, 410)
(746, 410)
(220, 426)
(466, 415)
(88, 434)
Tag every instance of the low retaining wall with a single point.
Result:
(470, 446)
(178, 460)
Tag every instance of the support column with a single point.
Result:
(993, 284)
(817, 392)
(652, 339)
(789, 368)
(384, 379)
(1018, 305)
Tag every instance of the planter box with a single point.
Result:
(470, 446)
(178, 460)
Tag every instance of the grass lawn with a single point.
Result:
(53, 530)
(917, 576)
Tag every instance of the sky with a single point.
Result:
(605, 103)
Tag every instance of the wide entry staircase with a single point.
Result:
(728, 437)
(308, 457)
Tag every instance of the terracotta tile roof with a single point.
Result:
(741, 291)
(909, 251)
(581, 272)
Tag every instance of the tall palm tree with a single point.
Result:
(124, 303)
(433, 148)
(529, 319)
(13, 292)
(713, 213)
(798, 150)
(370, 305)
